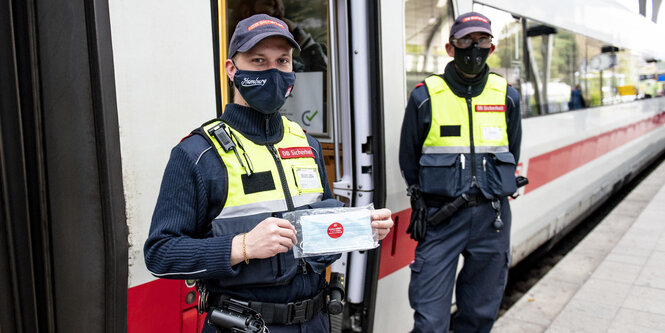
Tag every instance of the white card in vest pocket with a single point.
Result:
(346, 231)
(308, 178)
(492, 133)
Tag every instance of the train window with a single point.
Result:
(620, 75)
(651, 78)
(508, 57)
(308, 22)
(427, 23)
(556, 70)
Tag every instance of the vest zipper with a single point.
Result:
(282, 178)
(285, 188)
(474, 180)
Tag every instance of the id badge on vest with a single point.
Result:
(492, 133)
(307, 179)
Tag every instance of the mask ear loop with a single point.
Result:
(228, 80)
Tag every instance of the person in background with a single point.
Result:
(459, 145)
(226, 185)
(576, 100)
(312, 56)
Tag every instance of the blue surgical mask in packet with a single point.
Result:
(336, 233)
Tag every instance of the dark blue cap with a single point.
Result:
(470, 22)
(254, 29)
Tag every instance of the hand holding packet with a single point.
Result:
(332, 230)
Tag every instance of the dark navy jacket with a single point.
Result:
(418, 118)
(181, 244)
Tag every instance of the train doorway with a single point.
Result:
(60, 171)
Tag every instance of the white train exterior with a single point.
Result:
(573, 159)
(165, 75)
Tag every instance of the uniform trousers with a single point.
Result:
(480, 283)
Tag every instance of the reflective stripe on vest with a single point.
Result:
(449, 132)
(262, 192)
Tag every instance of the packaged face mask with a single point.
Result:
(332, 230)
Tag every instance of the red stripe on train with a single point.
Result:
(549, 166)
(161, 306)
(397, 249)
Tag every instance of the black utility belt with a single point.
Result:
(279, 313)
(435, 201)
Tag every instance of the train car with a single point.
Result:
(96, 93)
(574, 159)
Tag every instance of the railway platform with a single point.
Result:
(612, 281)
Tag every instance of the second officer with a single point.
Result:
(459, 146)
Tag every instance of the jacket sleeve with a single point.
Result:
(178, 244)
(514, 122)
(416, 123)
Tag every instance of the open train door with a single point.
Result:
(359, 134)
(63, 242)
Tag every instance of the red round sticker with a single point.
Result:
(335, 230)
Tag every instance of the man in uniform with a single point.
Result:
(459, 145)
(217, 217)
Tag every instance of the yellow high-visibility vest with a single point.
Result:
(281, 172)
(450, 131)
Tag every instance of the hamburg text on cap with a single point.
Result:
(254, 29)
(470, 22)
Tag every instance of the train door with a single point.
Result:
(163, 57)
(63, 244)
(360, 122)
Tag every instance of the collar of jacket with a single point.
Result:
(260, 128)
(460, 85)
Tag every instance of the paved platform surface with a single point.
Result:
(612, 281)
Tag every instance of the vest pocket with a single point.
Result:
(501, 176)
(287, 267)
(440, 174)
(279, 269)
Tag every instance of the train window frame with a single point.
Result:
(312, 32)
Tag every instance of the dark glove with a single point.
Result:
(418, 225)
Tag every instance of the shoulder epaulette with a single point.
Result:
(187, 136)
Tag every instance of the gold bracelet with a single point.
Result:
(244, 249)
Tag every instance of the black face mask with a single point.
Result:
(471, 60)
(265, 91)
